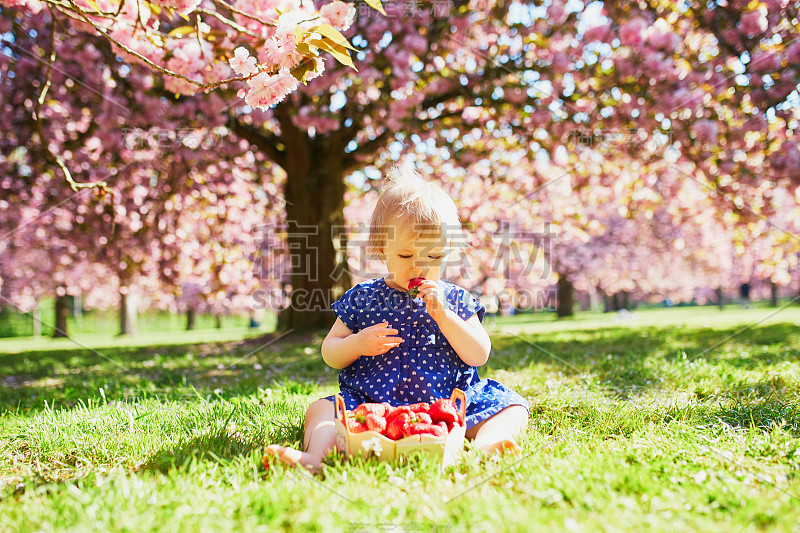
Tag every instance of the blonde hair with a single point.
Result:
(408, 201)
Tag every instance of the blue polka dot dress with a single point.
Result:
(424, 367)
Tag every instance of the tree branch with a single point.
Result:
(266, 142)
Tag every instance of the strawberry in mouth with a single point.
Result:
(413, 286)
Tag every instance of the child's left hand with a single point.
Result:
(432, 294)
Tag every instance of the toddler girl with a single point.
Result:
(394, 348)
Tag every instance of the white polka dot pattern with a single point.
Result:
(423, 368)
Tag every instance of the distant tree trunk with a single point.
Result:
(190, 319)
(218, 319)
(37, 321)
(594, 304)
(773, 294)
(720, 298)
(585, 301)
(624, 301)
(565, 296)
(127, 312)
(608, 304)
(62, 312)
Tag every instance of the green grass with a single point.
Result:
(659, 423)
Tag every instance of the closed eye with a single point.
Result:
(434, 258)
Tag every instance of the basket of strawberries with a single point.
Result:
(390, 432)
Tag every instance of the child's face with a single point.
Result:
(412, 255)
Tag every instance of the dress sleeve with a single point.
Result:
(347, 309)
(467, 306)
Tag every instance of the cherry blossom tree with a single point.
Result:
(115, 131)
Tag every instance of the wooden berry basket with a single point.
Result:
(369, 443)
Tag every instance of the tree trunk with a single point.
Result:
(218, 319)
(190, 318)
(37, 321)
(127, 312)
(626, 300)
(314, 193)
(720, 298)
(773, 294)
(565, 297)
(585, 301)
(608, 304)
(594, 304)
(62, 312)
(616, 302)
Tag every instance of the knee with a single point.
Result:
(515, 417)
(321, 409)
(520, 413)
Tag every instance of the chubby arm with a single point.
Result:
(342, 347)
(467, 337)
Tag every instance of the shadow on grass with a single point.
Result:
(218, 447)
(625, 361)
(222, 444)
(172, 372)
(762, 415)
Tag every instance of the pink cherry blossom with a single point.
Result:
(705, 130)
(242, 63)
(764, 61)
(267, 90)
(339, 14)
(630, 33)
(793, 53)
(600, 33)
(34, 6)
(183, 7)
(754, 22)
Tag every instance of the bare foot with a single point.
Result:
(504, 446)
(293, 458)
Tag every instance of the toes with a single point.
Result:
(282, 454)
(503, 447)
(275, 454)
(509, 447)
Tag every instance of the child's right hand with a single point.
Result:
(375, 340)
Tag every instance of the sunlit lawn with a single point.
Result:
(657, 422)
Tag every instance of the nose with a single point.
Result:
(421, 272)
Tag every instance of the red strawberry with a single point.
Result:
(376, 423)
(354, 426)
(424, 418)
(443, 410)
(421, 407)
(427, 429)
(398, 426)
(397, 411)
(413, 285)
(366, 408)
